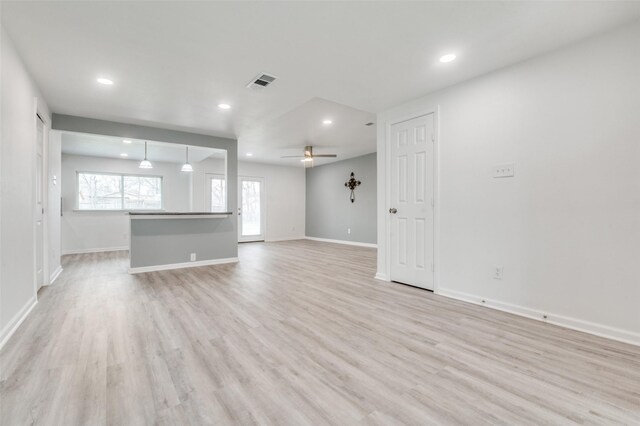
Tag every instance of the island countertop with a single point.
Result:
(178, 215)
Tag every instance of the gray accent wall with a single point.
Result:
(329, 212)
(168, 241)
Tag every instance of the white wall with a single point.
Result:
(285, 191)
(94, 231)
(567, 227)
(109, 230)
(285, 195)
(17, 201)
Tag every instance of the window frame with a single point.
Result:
(122, 176)
(208, 177)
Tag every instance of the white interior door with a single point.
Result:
(411, 203)
(251, 217)
(39, 213)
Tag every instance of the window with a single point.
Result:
(217, 193)
(109, 191)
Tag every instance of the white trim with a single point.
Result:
(55, 275)
(560, 320)
(17, 319)
(153, 268)
(274, 240)
(384, 188)
(178, 216)
(382, 277)
(95, 250)
(349, 243)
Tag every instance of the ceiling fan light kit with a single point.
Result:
(308, 156)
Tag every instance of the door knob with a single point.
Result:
(393, 210)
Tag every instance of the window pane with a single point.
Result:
(250, 207)
(218, 195)
(99, 192)
(142, 192)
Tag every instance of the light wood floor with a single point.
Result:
(297, 333)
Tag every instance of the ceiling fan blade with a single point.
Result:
(292, 156)
(325, 155)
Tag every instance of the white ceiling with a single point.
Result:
(173, 62)
(112, 147)
(347, 135)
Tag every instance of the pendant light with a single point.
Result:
(186, 167)
(145, 164)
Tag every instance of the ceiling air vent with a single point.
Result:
(262, 80)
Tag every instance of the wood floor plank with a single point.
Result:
(297, 333)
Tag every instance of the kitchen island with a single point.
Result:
(171, 240)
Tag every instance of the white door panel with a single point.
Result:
(251, 214)
(412, 215)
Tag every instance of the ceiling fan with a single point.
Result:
(309, 155)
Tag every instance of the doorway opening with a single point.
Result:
(251, 211)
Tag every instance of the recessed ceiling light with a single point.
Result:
(327, 122)
(224, 106)
(249, 154)
(126, 141)
(103, 80)
(447, 58)
(124, 154)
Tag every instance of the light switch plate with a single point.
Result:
(504, 170)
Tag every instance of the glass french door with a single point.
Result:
(251, 217)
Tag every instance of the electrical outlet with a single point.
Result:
(504, 170)
(348, 230)
(193, 257)
(498, 272)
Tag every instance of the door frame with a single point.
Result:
(263, 208)
(435, 110)
(39, 115)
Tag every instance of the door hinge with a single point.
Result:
(432, 203)
(433, 137)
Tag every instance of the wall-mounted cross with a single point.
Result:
(352, 184)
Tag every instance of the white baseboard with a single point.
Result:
(382, 277)
(142, 269)
(561, 320)
(95, 250)
(349, 243)
(273, 240)
(17, 319)
(54, 276)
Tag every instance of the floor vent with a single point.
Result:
(261, 81)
